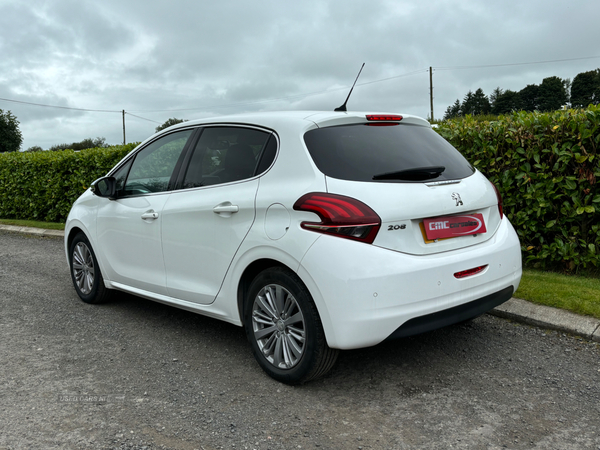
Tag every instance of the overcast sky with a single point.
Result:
(194, 58)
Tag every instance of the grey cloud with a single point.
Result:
(232, 55)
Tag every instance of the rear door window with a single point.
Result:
(224, 154)
(360, 152)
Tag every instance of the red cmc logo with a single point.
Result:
(439, 225)
(447, 227)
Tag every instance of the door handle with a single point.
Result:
(226, 209)
(150, 215)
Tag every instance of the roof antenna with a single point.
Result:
(343, 107)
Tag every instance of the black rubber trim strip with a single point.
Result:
(453, 315)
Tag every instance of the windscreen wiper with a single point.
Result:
(414, 174)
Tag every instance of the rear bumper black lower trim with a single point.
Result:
(453, 315)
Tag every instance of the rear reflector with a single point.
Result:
(470, 272)
(384, 117)
(340, 216)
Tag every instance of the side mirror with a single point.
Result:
(105, 187)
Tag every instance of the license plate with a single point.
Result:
(453, 226)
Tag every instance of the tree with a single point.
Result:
(585, 89)
(453, 111)
(475, 103)
(530, 97)
(468, 104)
(494, 97)
(10, 135)
(481, 103)
(552, 94)
(168, 123)
(507, 102)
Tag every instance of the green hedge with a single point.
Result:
(43, 185)
(546, 166)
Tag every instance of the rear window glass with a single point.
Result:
(360, 152)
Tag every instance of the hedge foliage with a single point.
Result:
(546, 166)
(43, 185)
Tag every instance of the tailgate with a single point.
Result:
(424, 218)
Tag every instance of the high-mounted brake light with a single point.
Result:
(340, 216)
(500, 209)
(384, 117)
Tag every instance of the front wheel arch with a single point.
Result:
(85, 271)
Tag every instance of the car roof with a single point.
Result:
(301, 119)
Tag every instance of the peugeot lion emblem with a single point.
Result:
(456, 196)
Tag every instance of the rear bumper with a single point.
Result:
(453, 315)
(366, 294)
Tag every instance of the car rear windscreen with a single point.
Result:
(392, 153)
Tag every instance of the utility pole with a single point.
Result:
(124, 126)
(431, 90)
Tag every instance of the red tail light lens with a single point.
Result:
(340, 216)
(500, 210)
(470, 272)
(384, 117)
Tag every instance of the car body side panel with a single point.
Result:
(131, 245)
(276, 234)
(199, 243)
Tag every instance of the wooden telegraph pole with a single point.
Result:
(124, 127)
(431, 90)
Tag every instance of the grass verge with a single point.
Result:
(33, 223)
(574, 293)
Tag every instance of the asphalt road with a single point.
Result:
(135, 375)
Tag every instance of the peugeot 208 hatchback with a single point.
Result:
(315, 231)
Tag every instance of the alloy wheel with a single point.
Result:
(279, 327)
(83, 268)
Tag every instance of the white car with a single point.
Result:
(316, 231)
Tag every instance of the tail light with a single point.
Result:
(340, 216)
(500, 210)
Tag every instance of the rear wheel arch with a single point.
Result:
(250, 273)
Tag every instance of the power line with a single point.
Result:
(60, 107)
(393, 78)
(143, 118)
(514, 64)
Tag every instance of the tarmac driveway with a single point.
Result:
(135, 374)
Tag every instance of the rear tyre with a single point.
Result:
(85, 272)
(283, 326)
